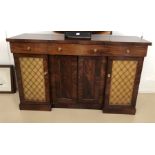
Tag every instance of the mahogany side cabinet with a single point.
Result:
(101, 73)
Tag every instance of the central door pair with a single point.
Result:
(77, 82)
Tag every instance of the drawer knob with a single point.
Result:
(59, 49)
(127, 51)
(109, 75)
(28, 48)
(95, 50)
(45, 73)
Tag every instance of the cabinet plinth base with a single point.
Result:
(131, 111)
(77, 105)
(43, 107)
(86, 106)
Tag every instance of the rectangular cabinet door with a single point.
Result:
(64, 81)
(91, 79)
(122, 84)
(32, 74)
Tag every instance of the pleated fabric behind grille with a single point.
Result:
(32, 72)
(122, 82)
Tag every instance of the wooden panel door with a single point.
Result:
(33, 83)
(122, 84)
(91, 79)
(64, 81)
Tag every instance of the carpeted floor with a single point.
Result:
(9, 112)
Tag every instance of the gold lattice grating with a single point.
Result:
(122, 82)
(32, 72)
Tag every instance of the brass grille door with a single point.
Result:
(32, 73)
(122, 82)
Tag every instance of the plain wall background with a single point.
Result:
(126, 19)
(130, 17)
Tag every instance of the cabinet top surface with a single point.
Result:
(96, 39)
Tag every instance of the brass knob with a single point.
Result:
(127, 51)
(45, 73)
(95, 50)
(109, 75)
(59, 49)
(28, 48)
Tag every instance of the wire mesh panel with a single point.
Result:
(122, 82)
(33, 80)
